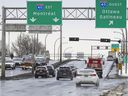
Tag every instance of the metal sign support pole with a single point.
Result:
(3, 43)
(126, 52)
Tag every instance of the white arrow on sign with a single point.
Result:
(33, 19)
(55, 19)
(110, 22)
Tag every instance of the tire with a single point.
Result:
(71, 78)
(46, 76)
(53, 75)
(77, 84)
(14, 68)
(57, 78)
(36, 76)
(75, 74)
(100, 75)
(97, 84)
(22, 68)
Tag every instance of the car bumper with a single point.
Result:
(86, 81)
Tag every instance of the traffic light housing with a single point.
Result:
(105, 40)
(73, 38)
(11, 55)
(119, 41)
(106, 47)
(98, 47)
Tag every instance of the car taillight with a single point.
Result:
(93, 75)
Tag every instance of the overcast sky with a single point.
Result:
(82, 29)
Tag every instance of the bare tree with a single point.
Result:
(26, 44)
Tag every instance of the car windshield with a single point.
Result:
(27, 59)
(49, 67)
(42, 68)
(8, 61)
(39, 59)
(64, 68)
(17, 59)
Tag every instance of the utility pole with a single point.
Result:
(3, 43)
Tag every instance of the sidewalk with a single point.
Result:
(125, 91)
(116, 92)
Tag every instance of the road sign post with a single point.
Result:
(44, 12)
(111, 14)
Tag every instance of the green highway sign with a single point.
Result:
(111, 13)
(44, 12)
(115, 45)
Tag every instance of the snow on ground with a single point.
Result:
(106, 68)
(53, 87)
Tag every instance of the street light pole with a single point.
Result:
(67, 49)
(46, 40)
(59, 48)
(55, 45)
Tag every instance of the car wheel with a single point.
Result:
(97, 84)
(100, 75)
(71, 78)
(53, 75)
(77, 84)
(46, 75)
(57, 78)
(14, 68)
(36, 76)
(75, 74)
(22, 68)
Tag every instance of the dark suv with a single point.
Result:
(64, 72)
(51, 70)
(41, 71)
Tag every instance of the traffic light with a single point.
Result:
(11, 55)
(106, 47)
(98, 47)
(73, 38)
(105, 40)
(119, 41)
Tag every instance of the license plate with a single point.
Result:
(64, 73)
(85, 75)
